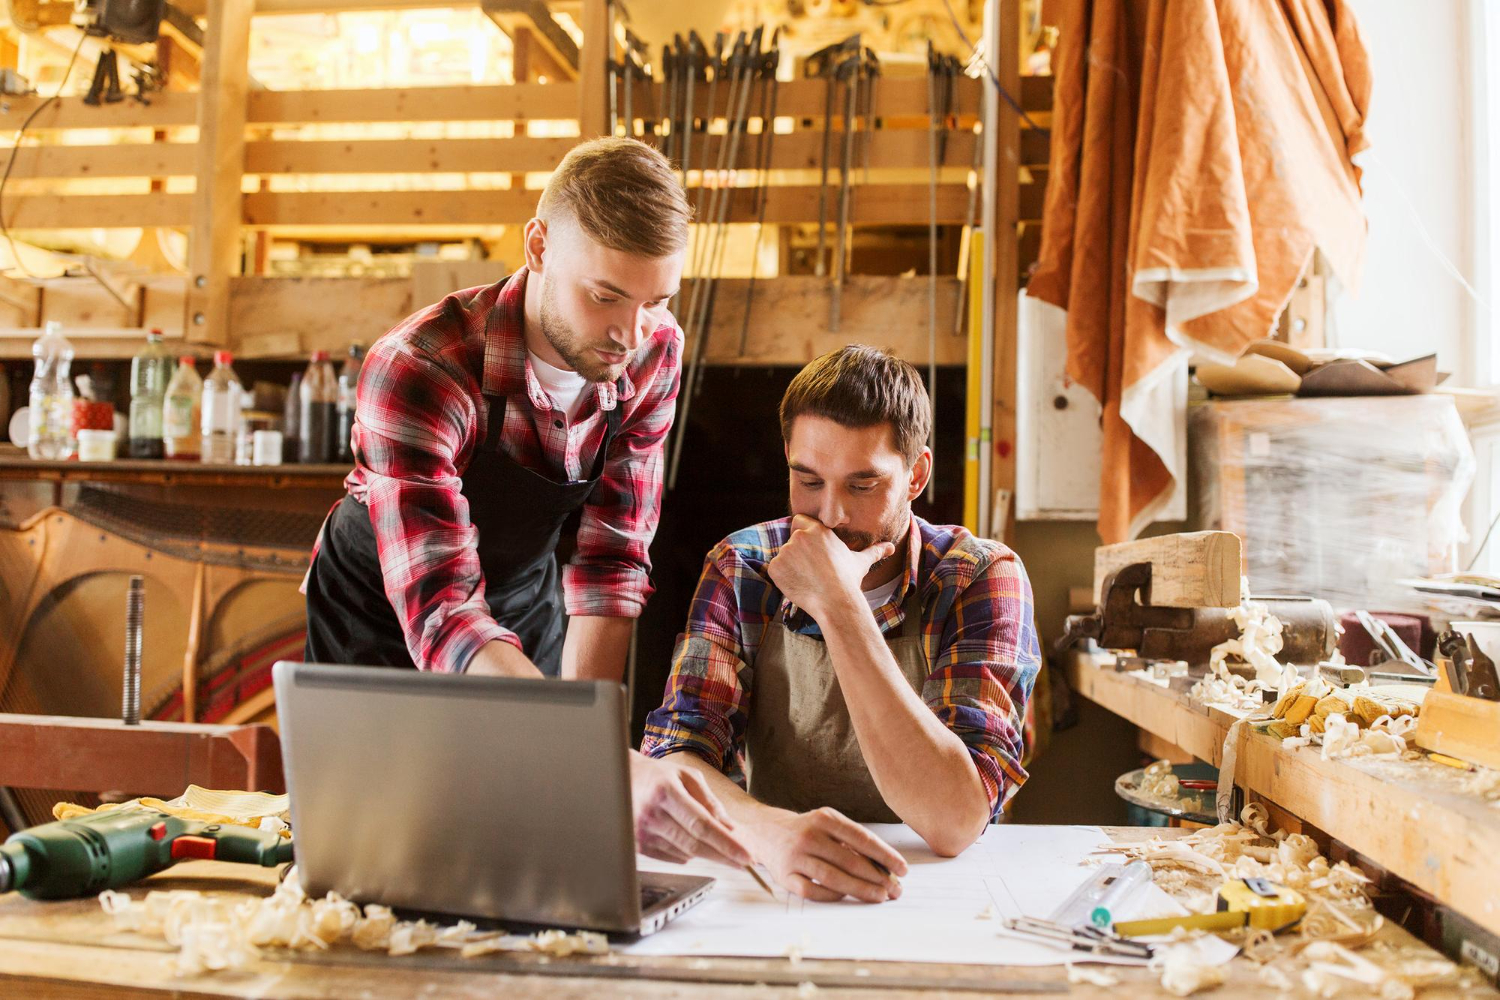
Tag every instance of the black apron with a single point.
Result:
(519, 515)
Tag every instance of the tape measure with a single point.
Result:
(1252, 902)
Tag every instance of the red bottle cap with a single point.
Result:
(189, 360)
(223, 357)
(320, 355)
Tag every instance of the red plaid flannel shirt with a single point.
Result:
(421, 420)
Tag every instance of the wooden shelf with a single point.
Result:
(1408, 816)
(16, 465)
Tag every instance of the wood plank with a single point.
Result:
(166, 109)
(891, 204)
(214, 247)
(503, 102)
(1198, 569)
(105, 211)
(125, 160)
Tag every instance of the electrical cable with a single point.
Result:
(16, 148)
(975, 54)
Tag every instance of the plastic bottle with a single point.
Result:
(348, 387)
(181, 420)
(291, 421)
(318, 419)
(150, 371)
(221, 411)
(51, 396)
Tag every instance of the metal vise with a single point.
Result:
(1126, 619)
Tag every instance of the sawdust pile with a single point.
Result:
(214, 932)
(1333, 950)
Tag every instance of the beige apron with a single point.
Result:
(800, 747)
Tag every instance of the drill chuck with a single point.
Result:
(15, 865)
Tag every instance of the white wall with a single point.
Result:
(1420, 166)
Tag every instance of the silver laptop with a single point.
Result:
(492, 797)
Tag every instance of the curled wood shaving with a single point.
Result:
(219, 932)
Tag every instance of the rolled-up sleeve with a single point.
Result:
(706, 705)
(984, 669)
(414, 429)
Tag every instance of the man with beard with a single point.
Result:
(482, 422)
(865, 665)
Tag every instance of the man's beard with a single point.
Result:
(567, 343)
(893, 530)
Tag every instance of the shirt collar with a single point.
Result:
(889, 615)
(507, 369)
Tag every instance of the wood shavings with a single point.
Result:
(1344, 738)
(1093, 977)
(1257, 644)
(215, 932)
(1158, 781)
(1181, 976)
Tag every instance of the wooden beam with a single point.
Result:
(1010, 207)
(1196, 569)
(214, 251)
(593, 69)
(549, 39)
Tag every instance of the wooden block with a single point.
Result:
(1199, 569)
(433, 279)
(1460, 726)
(153, 758)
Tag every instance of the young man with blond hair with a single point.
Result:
(863, 665)
(484, 421)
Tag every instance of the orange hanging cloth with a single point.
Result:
(1201, 153)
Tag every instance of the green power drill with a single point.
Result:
(105, 850)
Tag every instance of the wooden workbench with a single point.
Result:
(69, 949)
(1411, 818)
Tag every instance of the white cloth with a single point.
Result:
(565, 388)
(875, 598)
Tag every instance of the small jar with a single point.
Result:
(266, 447)
(95, 445)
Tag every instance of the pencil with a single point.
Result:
(760, 881)
(886, 872)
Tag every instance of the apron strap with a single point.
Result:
(911, 622)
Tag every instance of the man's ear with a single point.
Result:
(534, 244)
(921, 471)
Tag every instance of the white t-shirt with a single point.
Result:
(565, 388)
(875, 598)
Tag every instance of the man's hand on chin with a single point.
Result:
(677, 817)
(814, 569)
